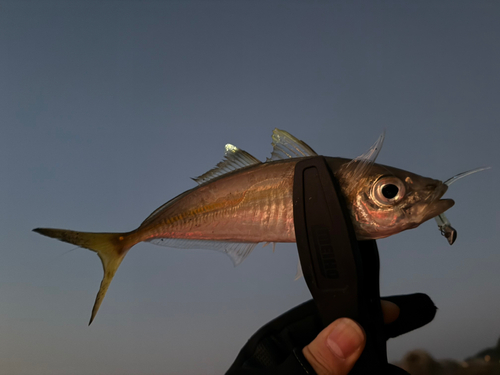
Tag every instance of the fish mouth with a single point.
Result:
(435, 205)
(440, 190)
(439, 205)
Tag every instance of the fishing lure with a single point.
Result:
(442, 221)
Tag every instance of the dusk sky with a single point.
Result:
(108, 108)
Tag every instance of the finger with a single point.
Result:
(416, 310)
(337, 348)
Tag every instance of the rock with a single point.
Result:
(485, 362)
(419, 362)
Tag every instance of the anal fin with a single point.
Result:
(237, 251)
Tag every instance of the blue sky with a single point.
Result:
(108, 108)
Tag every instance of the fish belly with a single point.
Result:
(249, 205)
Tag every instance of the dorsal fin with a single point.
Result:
(234, 159)
(286, 146)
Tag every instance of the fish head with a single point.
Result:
(384, 200)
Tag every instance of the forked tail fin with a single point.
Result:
(111, 248)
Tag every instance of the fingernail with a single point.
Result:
(345, 338)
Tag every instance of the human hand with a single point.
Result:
(276, 348)
(337, 348)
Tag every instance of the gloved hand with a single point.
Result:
(296, 343)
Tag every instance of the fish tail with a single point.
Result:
(111, 248)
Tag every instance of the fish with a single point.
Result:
(243, 201)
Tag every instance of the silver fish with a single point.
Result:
(243, 201)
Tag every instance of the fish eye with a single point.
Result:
(388, 190)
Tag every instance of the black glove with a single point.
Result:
(276, 348)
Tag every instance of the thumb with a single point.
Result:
(337, 348)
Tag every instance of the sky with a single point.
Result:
(108, 108)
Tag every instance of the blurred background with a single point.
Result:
(108, 108)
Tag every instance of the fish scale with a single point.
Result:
(233, 209)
